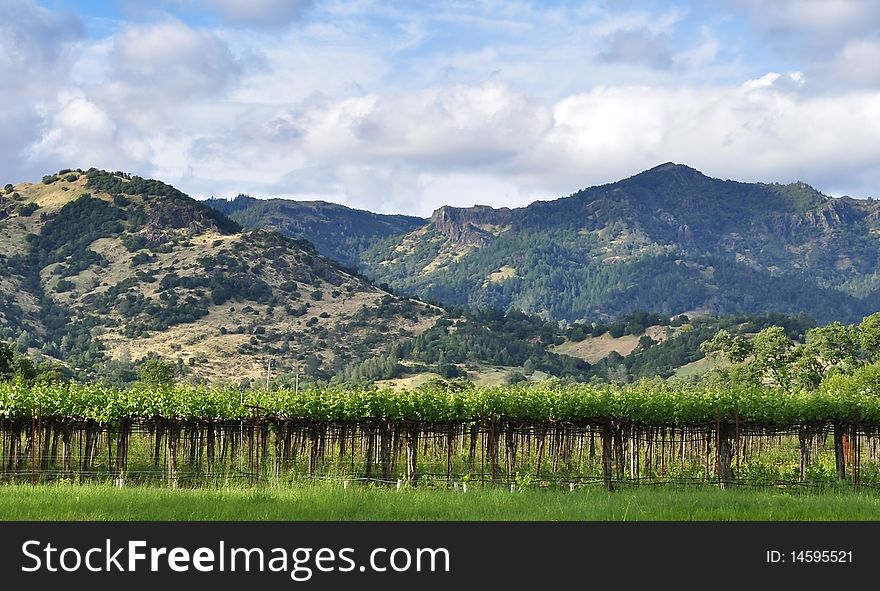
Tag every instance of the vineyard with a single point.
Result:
(548, 434)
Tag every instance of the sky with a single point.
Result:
(401, 107)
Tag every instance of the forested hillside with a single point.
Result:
(338, 232)
(669, 239)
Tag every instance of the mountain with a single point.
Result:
(104, 269)
(99, 268)
(669, 239)
(338, 232)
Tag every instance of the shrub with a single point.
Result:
(141, 258)
(64, 285)
(27, 209)
(449, 370)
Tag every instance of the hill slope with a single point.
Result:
(669, 239)
(338, 232)
(98, 265)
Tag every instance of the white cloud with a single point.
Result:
(131, 90)
(762, 130)
(414, 152)
(386, 188)
(36, 52)
(259, 13)
(34, 41)
(172, 60)
(436, 109)
(835, 41)
(466, 127)
(857, 64)
(316, 61)
(80, 132)
(699, 57)
(833, 18)
(638, 47)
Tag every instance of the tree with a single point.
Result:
(646, 342)
(577, 334)
(23, 369)
(156, 371)
(807, 369)
(450, 370)
(617, 330)
(736, 348)
(312, 365)
(869, 336)
(773, 352)
(6, 357)
(23, 342)
(770, 354)
(834, 345)
(49, 372)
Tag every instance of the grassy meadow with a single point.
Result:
(330, 501)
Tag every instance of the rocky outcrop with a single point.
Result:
(477, 225)
(822, 220)
(170, 216)
(7, 206)
(833, 213)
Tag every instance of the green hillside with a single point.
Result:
(338, 232)
(669, 239)
(100, 270)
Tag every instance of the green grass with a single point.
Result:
(700, 367)
(332, 502)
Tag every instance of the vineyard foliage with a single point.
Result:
(841, 398)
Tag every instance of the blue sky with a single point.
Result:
(406, 106)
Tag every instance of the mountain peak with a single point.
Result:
(672, 167)
(167, 209)
(664, 166)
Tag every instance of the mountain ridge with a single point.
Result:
(336, 230)
(676, 209)
(105, 267)
(669, 238)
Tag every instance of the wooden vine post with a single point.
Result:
(839, 454)
(493, 448)
(620, 463)
(804, 446)
(122, 447)
(66, 449)
(173, 440)
(412, 450)
(607, 469)
(370, 437)
(725, 453)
